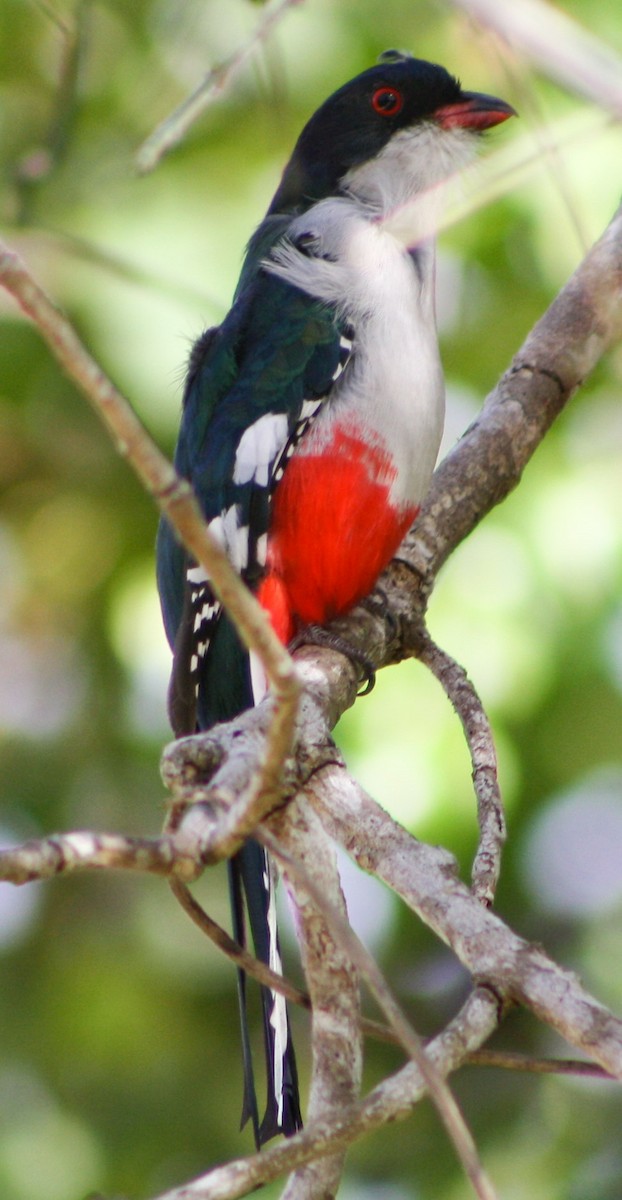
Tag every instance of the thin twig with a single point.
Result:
(467, 704)
(543, 130)
(236, 953)
(171, 130)
(506, 1060)
(55, 17)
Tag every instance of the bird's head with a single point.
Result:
(389, 134)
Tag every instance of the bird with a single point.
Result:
(311, 422)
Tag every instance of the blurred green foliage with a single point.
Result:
(119, 1070)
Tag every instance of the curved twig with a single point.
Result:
(237, 954)
(467, 704)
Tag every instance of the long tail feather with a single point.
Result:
(250, 870)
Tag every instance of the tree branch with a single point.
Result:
(332, 978)
(478, 734)
(82, 850)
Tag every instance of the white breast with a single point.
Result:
(393, 389)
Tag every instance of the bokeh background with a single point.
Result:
(119, 1064)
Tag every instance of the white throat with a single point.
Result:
(406, 185)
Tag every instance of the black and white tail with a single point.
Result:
(251, 879)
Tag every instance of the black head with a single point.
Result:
(358, 120)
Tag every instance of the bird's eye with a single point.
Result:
(387, 101)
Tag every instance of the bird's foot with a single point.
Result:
(316, 635)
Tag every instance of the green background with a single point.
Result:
(119, 1057)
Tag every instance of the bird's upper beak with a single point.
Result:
(474, 111)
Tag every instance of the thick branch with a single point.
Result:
(82, 850)
(337, 1059)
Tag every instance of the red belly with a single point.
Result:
(333, 530)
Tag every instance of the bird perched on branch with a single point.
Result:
(312, 418)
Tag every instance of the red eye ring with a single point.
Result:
(387, 101)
